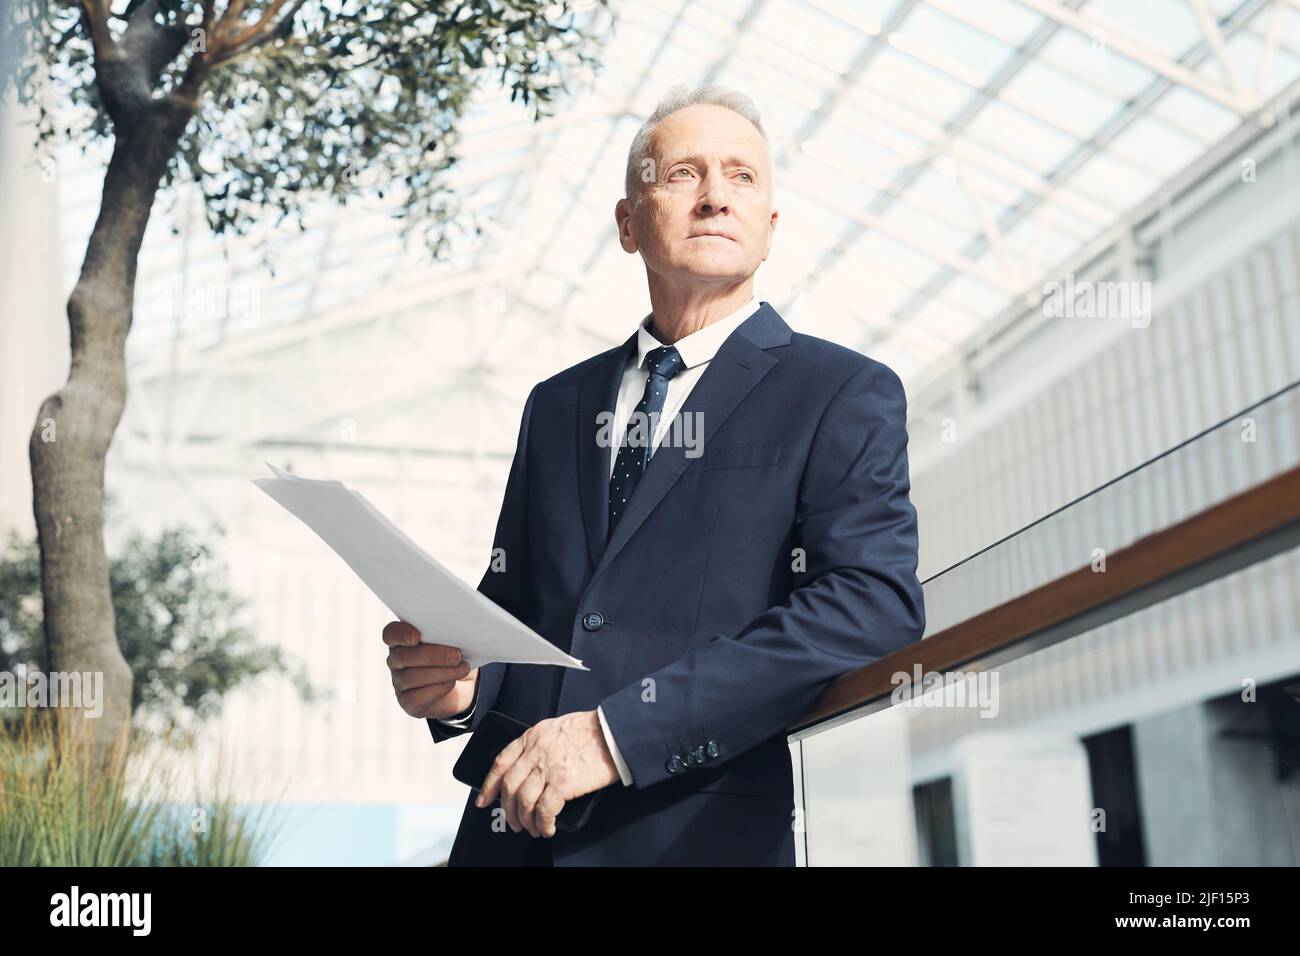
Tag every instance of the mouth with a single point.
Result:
(712, 235)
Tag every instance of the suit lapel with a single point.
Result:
(738, 366)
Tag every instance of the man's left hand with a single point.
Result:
(553, 762)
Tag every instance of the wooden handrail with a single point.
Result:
(1237, 531)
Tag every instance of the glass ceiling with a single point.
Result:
(934, 159)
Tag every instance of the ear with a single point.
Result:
(771, 228)
(623, 219)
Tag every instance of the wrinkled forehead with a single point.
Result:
(711, 137)
(729, 151)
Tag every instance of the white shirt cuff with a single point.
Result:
(624, 773)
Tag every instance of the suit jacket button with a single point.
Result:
(594, 621)
(697, 756)
(675, 764)
(711, 749)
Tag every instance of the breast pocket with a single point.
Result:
(736, 456)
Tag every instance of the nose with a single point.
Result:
(713, 196)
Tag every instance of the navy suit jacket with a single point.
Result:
(736, 586)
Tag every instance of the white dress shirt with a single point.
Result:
(696, 351)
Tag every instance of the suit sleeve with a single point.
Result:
(507, 587)
(857, 600)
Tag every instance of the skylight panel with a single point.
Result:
(1033, 144)
(942, 38)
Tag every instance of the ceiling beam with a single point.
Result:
(1143, 54)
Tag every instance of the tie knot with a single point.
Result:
(664, 361)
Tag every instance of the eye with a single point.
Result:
(749, 178)
(679, 169)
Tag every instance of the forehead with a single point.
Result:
(707, 130)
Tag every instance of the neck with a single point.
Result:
(679, 312)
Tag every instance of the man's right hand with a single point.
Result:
(430, 680)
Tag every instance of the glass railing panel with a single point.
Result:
(1168, 737)
(1259, 442)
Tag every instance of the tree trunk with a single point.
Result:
(75, 426)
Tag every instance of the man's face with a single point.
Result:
(707, 215)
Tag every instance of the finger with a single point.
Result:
(526, 801)
(547, 811)
(422, 701)
(508, 807)
(399, 632)
(505, 760)
(407, 678)
(424, 655)
(433, 690)
(513, 765)
(510, 784)
(513, 784)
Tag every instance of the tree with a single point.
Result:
(263, 105)
(177, 622)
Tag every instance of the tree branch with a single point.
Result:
(234, 41)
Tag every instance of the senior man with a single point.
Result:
(741, 536)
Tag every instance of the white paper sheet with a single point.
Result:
(416, 588)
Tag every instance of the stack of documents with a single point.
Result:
(416, 588)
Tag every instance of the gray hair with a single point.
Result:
(678, 98)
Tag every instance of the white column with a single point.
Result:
(33, 324)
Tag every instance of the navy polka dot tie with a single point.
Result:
(634, 453)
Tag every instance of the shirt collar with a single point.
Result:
(701, 345)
